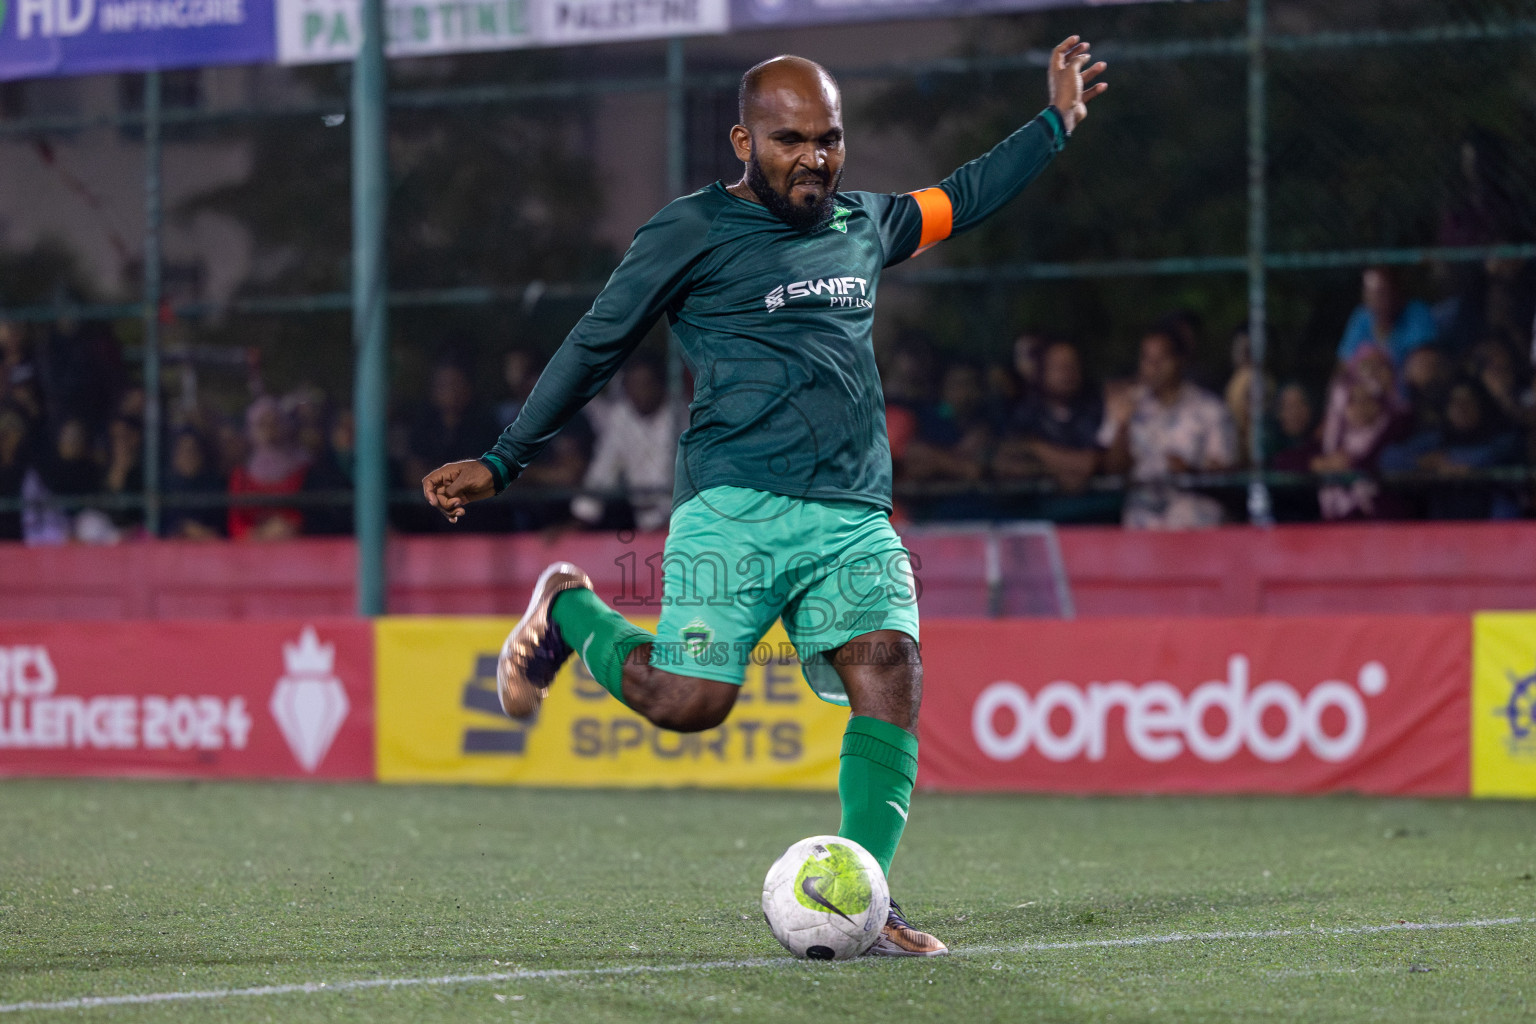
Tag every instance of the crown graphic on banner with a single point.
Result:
(309, 657)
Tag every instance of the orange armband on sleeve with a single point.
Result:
(938, 216)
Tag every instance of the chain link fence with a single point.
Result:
(1391, 134)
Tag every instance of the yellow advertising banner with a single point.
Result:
(439, 720)
(1504, 704)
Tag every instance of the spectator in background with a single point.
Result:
(1474, 435)
(450, 423)
(1482, 211)
(559, 467)
(953, 444)
(1426, 377)
(1238, 395)
(19, 379)
(132, 403)
(1386, 318)
(636, 450)
(67, 470)
(13, 343)
(192, 474)
(908, 387)
(72, 470)
(1364, 416)
(1165, 426)
(305, 408)
(908, 379)
(274, 465)
(231, 446)
(1188, 332)
(1054, 431)
(333, 472)
(13, 467)
(81, 372)
(1296, 427)
(1496, 367)
(1027, 349)
(518, 372)
(124, 476)
(1298, 444)
(954, 436)
(1004, 391)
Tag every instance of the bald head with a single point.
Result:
(790, 140)
(785, 82)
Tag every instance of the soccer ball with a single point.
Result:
(826, 899)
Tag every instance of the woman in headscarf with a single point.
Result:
(276, 465)
(1365, 415)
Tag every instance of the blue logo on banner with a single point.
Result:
(1520, 713)
(509, 735)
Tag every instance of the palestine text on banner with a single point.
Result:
(316, 31)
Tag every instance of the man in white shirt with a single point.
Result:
(1165, 426)
(636, 451)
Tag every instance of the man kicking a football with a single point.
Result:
(783, 493)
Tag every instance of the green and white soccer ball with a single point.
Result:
(826, 899)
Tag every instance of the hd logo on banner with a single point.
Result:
(1504, 704)
(75, 37)
(439, 720)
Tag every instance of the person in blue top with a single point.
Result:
(1386, 319)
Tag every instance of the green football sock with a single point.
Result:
(874, 782)
(599, 634)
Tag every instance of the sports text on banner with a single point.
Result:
(440, 721)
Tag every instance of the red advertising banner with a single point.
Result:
(273, 699)
(1374, 704)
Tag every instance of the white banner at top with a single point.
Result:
(317, 31)
(566, 22)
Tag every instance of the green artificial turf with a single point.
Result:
(110, 889)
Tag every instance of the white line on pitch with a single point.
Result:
(312, 987)
(1278, 933)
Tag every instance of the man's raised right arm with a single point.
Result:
(981, 187)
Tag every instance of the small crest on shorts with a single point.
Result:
(697, 636)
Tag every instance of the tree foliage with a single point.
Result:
(1364, 147)
(486, 195)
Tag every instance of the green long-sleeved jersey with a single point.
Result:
(775, 326)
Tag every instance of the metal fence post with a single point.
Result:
(369, 312)
(1260, 511)
(152, 224)
(677, 165)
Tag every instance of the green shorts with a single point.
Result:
(736, 559)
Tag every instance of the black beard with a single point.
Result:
(803, 218)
